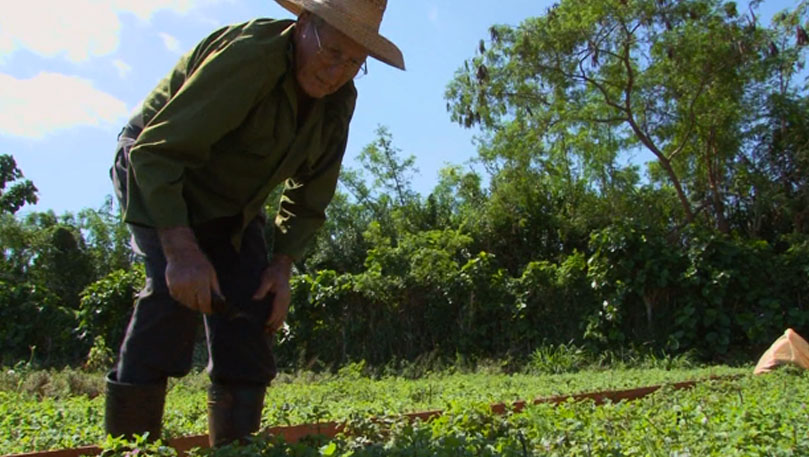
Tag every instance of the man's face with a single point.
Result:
(325, 58)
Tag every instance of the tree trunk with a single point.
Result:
(714, 176)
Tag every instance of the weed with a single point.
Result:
(563, 358)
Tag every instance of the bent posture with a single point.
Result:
(251, 107)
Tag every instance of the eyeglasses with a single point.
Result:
(333, 57)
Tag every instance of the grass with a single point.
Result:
(749, 416)
(54, 409)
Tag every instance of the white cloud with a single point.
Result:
(76, 29)
(171, 43)
(123, 68)
(33, 108)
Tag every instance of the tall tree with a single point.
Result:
(769, 188)
(380, 191)
(595, 78)
(390, 172)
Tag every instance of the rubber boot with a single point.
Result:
(133, 409)
(234, 412)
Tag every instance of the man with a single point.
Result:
(252, 106)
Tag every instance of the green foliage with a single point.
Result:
(42, 410)
(45, 263)
(633, 270)
(760, 416)
(138, 446)
(549, 293)
(772, 185)
(555, 237)
(106, 306)
(573, 89)
(33, 323)
(421, 292)
(747, 416)
(26, 380)
(557, 359)
(389, 200)
(712, 294)
(20, 191)
(100, 357)
(391, 174)
(107, 238)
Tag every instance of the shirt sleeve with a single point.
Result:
(214, 99)
(302, 210)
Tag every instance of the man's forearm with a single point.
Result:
(283, 260)
(281, 264)
(177, 241)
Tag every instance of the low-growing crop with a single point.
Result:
(748, 416)
(30, 420)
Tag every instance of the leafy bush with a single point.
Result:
(550, 303)
(106, 306)
(707, 292)
(634, 271)
(35, 326)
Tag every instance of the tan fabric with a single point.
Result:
(359, 19)
(789, 348)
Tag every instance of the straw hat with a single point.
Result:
(359, 19)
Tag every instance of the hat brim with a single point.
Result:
(378, 46)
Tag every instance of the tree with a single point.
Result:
(46, 262)
(107, 238)
(390, 173)
(44, 265)
(20, 192)
(596, 78)
(386, 196)
(771, 183)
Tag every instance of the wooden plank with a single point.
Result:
(74, 452)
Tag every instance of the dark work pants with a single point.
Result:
(159, 340)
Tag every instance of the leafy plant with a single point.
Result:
(42, 410)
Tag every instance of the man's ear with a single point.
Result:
(300, 26)
(302, 23)
(304, 17)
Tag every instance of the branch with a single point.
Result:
(533, 98)
(634, 29)
(692, 121)
(600, 88)
(610, 53)
(609, 120)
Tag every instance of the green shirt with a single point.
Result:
(221, 132)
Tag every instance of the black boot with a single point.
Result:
(133, 409)
(234, 411)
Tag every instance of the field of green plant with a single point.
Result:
(42, 410)
(750, 416)
(747, 416)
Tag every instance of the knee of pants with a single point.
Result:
(159, 341)
(241, 349)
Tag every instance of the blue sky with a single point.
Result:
(72, 70)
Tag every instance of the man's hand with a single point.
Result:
(275, 279)
(189, 274)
